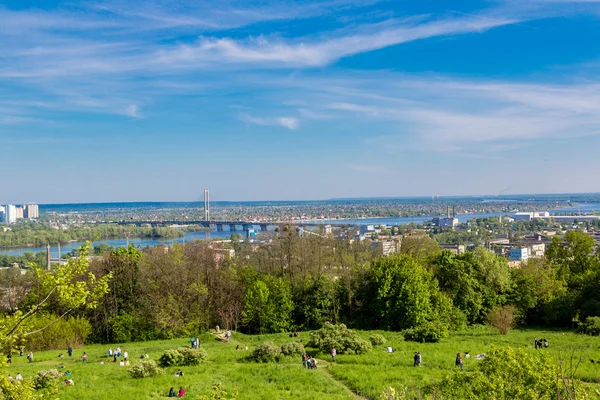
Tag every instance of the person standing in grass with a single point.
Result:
(30, 356)
(459, 361)
(70, 351)
(192, 342)
(333, 354)
(84, 357)
(304, 360)
(125, 355)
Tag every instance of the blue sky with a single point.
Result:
(155, 100)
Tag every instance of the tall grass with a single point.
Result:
(365, 374)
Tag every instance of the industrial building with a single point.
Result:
(519, 254)
(449, 222)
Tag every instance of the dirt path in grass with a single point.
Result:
(324, 369)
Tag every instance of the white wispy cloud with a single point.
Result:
(492, 116)
(286, 122)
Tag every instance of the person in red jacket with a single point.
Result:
(181, 392)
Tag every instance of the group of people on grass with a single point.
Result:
(309, 362)
(540, 343)
(116, 354)
(195, 342)
(173, 393)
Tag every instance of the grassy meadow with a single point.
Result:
(351, 376)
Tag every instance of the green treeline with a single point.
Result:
(299, 283)
(32, 234)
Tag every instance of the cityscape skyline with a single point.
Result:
(115, 101)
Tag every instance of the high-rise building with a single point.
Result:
(32, 211)
(11, 214)
(2, 213)
(19, 212)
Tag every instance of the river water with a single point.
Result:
(191, 236)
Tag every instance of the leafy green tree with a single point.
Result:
(402, 294)
(316, 302)
(67, 288)
(476, 281)
(267, 304)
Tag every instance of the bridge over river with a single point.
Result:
(233, 225)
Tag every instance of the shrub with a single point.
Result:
(218, 393)
(145, 369)
(376, 339)
(503, 374)
(292, 349)
(46, 378)
(428, 332)
(266, 352)
(16, 390)
(345, 340)
(192, 356)
(170, 358)
(502, 318)
(182, 357)
(591, 326)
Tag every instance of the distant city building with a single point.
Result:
(328, 229)
(19, 212)
(446, 222)
(386, 247)
(519, 254)
(2, 213)
(11, 214)
(528, 216)
(32, 211)
(455, 248)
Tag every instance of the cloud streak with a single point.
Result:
(286, 122)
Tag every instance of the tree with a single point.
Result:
(503, 318)
(476, 281)
(267, 304)
(67, 287)
(402, 294)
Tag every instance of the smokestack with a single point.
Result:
(454, 211)
(48, 257)
(448, 212)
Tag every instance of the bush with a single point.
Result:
(16, 390)
(591, 326)
(170, 358)
(377, 340)
(345, 340)
(46, 378)
(266, 352)
(145, 369)
(182, 357)
(428, 332)
(292, 349)
(192, 356)
(502, 318)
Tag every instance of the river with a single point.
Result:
(191, 236)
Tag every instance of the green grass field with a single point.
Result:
(351, 376)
